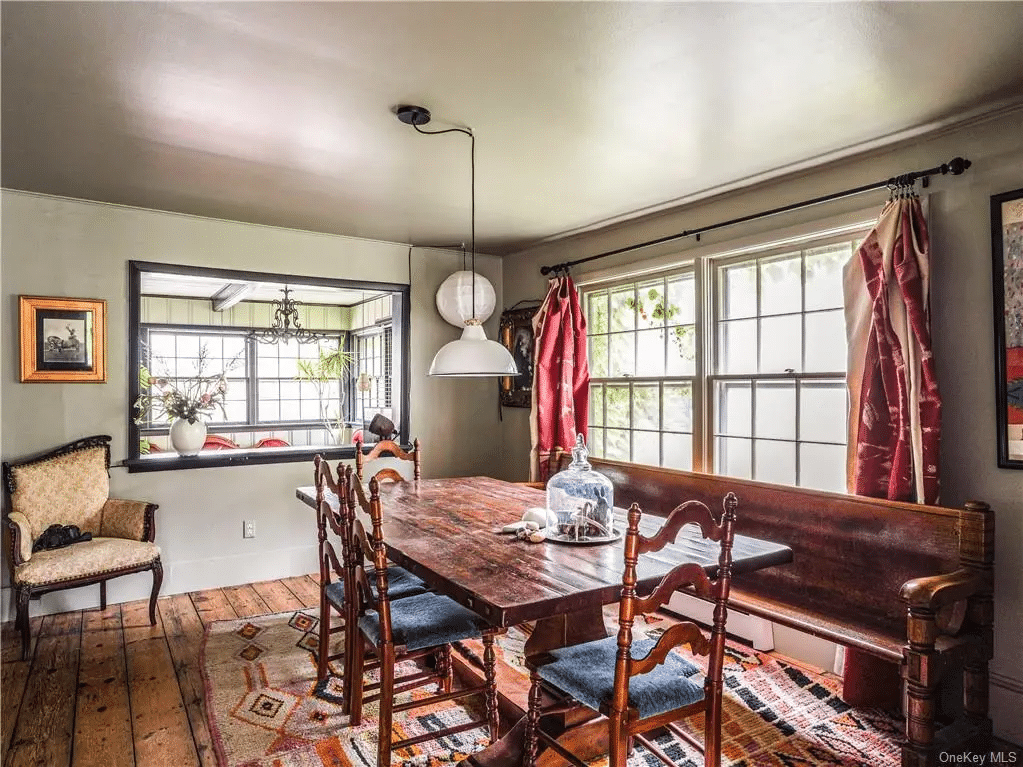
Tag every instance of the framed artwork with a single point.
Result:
(517, 336)
(63, 340)
(1007, 252)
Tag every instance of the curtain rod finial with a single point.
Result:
(956, 166)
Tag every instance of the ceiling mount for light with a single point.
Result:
(413, 115)
(472, 355)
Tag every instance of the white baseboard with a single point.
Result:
(178, 578)
(757, 631)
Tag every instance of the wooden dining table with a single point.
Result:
(447, 531)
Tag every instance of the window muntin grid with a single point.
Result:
(642, 347)
(779, 385)
(175, 355)
(775, 338)
(790, 432)
(372, 360)
(795, 297)
(282, 396)
(263, 391)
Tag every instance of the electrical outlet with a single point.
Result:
(248, 529)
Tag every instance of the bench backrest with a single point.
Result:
(851, 555)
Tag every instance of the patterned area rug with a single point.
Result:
(266, 710)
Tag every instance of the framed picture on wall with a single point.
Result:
(1007, 252)
(63, 340)
(517, 336)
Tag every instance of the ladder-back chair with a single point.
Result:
(335, 572)
(416, 627)
(382, 449)
(641, 685)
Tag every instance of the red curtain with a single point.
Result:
(895, 418)
(561, 375)
(895, 409)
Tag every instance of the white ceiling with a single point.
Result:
(281, 112)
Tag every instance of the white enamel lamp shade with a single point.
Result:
(473, 356)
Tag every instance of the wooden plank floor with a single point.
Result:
(106, 689)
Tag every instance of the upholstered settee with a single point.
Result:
(70, 485)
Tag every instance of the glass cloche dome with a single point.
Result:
(581, 501)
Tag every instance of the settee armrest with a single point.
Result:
(936, 591)
(21, 537)
(134, 520)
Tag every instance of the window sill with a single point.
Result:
(240, 457)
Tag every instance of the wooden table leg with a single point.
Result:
(588, 740)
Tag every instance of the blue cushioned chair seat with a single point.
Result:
(400, 583)
(425, 620)
(587, 673)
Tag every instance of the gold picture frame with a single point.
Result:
(63, 340)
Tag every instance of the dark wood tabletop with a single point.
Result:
(446, 532)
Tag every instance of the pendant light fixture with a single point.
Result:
(472, 355)
(286, 326)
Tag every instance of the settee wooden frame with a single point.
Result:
(25, 592)
(905, 582)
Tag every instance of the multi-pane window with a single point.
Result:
(642, 354)
(755, 387)
(372, 373)
(182, 356)
(779, 383)
(285, 393)
(202, 338)
(266, 384)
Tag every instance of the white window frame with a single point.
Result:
(705, 262)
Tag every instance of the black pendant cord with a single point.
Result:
(472, 197)
(955, 166)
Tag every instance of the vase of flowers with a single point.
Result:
(186, 402)
(187, 437)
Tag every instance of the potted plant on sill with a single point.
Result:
(328, 369)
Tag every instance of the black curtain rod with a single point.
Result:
(955, 166)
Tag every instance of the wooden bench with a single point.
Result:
(904, 582)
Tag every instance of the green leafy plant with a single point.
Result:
(683, 336)
(329, 368)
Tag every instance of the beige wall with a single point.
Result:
(59, 247)
(962, 327)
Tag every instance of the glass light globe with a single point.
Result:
(454, 298)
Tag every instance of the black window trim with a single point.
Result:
(401, 353)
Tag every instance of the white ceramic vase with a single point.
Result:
(188, 438)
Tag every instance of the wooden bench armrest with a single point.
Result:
(936, 591)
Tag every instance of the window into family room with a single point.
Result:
(275, 367)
